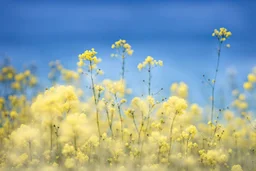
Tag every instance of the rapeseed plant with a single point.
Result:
(55, 129)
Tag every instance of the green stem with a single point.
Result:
(95, 100)
(121, 122)
(214, 82)
(141, 126)
(135, 124)
(170, 135)
(123, 66)
(149, 79)
(109, 121)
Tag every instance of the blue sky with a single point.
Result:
(177, 32)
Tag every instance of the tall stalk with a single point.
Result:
(135, 124)
(149, 79)
(214, 82)
(141, 126)
(95, 100)
(149, 93)
(170, 135)
(120, 117)
(109, 120)
(123, 66)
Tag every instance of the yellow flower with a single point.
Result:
(127, 46)
(195, 109)
(16, 86)
(81, 157)
(123, 101)
(174, 87)
(140, 66)
(19, 77)
(80, 63)
(247, 85)
(179, 89)
(80, 70)
(242, 97)
(175, 105)
(192, 130)
(129, 52)
(222, 34)
(129, 113)
(149, 59)
(88, 55)
(9, 76)
(160, 63)
(27, 73)
(251, 78)
(13, 114)
(99, 88)
(236, 168)
(33, 81)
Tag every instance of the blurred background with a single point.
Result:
(177, 32)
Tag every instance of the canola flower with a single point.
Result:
(179, 89)
(222, 35)
(123, 49)
(149, 63)
(90, 57)
(55, 129)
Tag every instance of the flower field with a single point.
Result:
(80, 123)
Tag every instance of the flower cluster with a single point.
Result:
(222, 34)
(7, 73)
(24, 79)
(213, 157)
(251, 80)
(149, 61)
(179, 89)
(90, 56)
(175, 105)
(123, 46)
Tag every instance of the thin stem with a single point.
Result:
(170, 135)
(141, 126)
(214, 81)
(149, 113)
(136, 127)
(95, 100)
(120, 117)
(147, 126)
(123, 66)
(149, 92)
(149, 79)
(109, 121)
